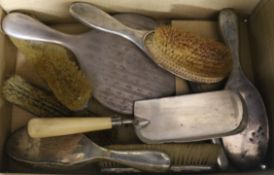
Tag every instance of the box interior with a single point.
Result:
(256, 46)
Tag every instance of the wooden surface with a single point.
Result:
(57, 10)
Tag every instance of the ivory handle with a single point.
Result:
(49, 127)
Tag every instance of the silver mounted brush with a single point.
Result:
(77, 150)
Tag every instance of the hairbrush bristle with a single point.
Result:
(180, 154)
(17, 91)
(54, 64)
(42, 103)
(189, 56)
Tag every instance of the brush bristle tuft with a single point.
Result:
(189, 56)
(54, 65)
(34, 100)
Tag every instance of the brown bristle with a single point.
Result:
(55, 65)
(34, 100)
(42, 103)
(180, 154)
(189, 56)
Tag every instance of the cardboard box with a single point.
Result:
(256, 47)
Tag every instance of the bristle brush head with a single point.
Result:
(180, 154)
(32, 99)
(55, 65)
(66, 80)
(189, 56)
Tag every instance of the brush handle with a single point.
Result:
(229, 28)
(152, 161)
(50, 127)
(25, 27)
(98, 19)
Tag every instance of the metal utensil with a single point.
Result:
(119, 72)
(173, 119)
(248, 148)
(74, 150)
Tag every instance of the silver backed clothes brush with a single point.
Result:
(77, 150)
(171, 119)
(248, 148)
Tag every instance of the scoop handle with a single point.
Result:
(25, 27)
(152, 161)
(228, 23)
(50, 127)
(100, 20)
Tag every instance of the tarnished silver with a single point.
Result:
(98, 19)
(119, 72)
(75, 150)
(248, 148)
(191, 117)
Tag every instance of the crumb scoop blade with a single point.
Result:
(190, 117)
